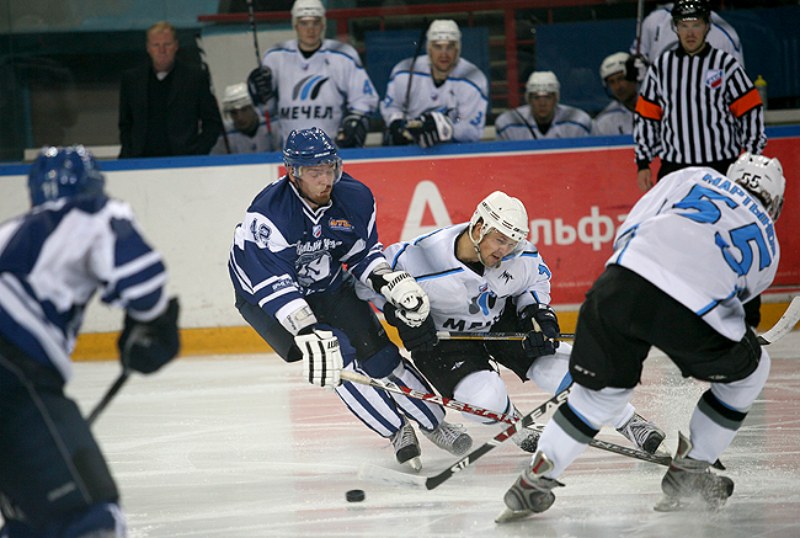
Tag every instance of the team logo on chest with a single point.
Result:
(484, 301)
(714, 78)
(308, 88)
(342, 225)
(316, 231)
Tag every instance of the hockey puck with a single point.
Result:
(355, 495)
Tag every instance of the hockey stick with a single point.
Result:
(382, 474)
(450, 403)
(639, 19)
(251, 17)
(108, 396)
(417, 52)
(784, 325)
(460, 335)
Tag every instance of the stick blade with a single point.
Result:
(375, 473)
(785, 324)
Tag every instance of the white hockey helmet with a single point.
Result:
(542, 83)
(763, 177)
(302, 9)
(236, 97)
(444, 30)
(614, 63)
(500, 212)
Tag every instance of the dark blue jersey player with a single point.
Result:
(75, 241)
(304, 241)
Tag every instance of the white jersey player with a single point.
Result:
(617, 117)
(543, 116)
(246, 128)
(438, 97)
(485, 276)
(692, 250)
(658, 35)
(314, 82)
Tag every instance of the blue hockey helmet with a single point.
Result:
(310, 147)
(63, 172)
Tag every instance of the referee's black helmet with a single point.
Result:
(691, 9)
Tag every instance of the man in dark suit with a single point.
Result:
(166, 106)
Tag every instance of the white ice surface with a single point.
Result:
(243, 447)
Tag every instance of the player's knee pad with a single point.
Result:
(551, 372)
(382, 363)
(740, 395)
(598, 407)
(486, 389)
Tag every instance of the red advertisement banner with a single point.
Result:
(576, 199)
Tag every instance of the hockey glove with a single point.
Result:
(541, 340)
(420, 339)
(259, 85)
(398, 135)
(403, 292)
(636, 68)
(147, 346)
(430, 129)
(322, 358)
(353, 131)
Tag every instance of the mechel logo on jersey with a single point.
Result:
(308, 88)
(714, 78)
(342, 225)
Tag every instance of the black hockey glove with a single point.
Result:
(147, 346)
(636, 68)
(420, 339)
(353, 131)
(430, 129)
(397, 134)
(544, 323)
(259, 85)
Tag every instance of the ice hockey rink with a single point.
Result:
(241, 446)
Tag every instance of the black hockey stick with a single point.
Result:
(417, 52)
(382, 474)
(461, 335)
(108, 396)
(251, 17)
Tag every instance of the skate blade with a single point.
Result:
(415, 464)
(668, 504)
(508, 515)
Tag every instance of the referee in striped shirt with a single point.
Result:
(696, 106)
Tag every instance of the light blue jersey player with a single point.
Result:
(75, 241)
(311, 81)
(691, 252)
(287, 265)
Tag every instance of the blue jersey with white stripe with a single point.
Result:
(54, 258)
(284, 251)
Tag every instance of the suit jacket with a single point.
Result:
(193, 123)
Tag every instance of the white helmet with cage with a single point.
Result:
(612, 64)
(500, 212)
(542, 83)
(302, 9)
(763, 177)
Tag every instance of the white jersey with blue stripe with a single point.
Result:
(462, 97)
(461, 299)
(284, 251)
(703, 240)
(319, 90)
(54, 258)
(519, 124)
(614, 119)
